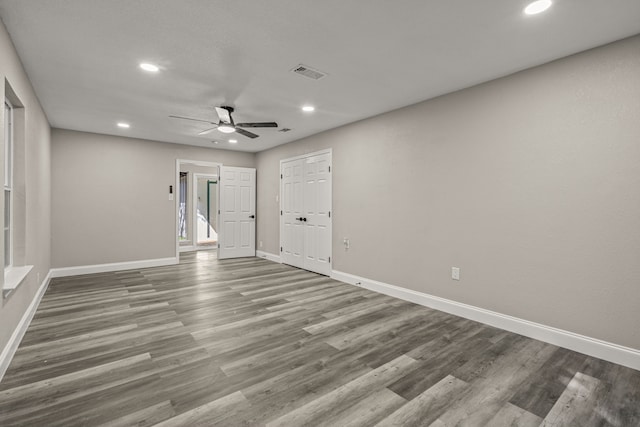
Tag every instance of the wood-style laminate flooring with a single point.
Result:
(249, 342)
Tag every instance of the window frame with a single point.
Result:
(8, 111)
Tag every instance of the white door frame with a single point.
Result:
(328, 151)
(176, 194)
(194, 206)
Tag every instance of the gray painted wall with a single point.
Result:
(529, 183)
(31, 188)
(111, 196)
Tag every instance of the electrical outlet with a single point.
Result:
(346, 243)
(455, 273)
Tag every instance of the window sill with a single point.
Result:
(13, 277)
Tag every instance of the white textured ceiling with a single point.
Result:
(82, 57)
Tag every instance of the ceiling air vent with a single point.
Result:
(308, 72)
(284, 130)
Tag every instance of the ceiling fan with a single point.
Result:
(226, 124)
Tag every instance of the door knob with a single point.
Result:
(252, 216)
(304, 219)
(299, 219)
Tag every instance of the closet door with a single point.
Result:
(317, 211)
(305, 224)
(291, 224)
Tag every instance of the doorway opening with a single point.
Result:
(196, 211)
(206, 211)
(226, 215)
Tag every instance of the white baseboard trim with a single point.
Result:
(590, 346)
(270, 257)
(190, 248)
(116, 266)
(10, 349)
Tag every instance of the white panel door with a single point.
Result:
(237, 224)
(316, 214)
(291, 224)
(305, 225)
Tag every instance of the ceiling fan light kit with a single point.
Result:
(224, 128)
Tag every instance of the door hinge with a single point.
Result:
(218, 211)
(280, 248)
(329, 168)
(329, 214)
(329, 259)
(280, 176)
(280, 212)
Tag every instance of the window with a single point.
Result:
(15, 270)
(8, 181)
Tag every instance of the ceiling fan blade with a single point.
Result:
(224, 115)
(246, 133)
(258, 125)
(195, 120)
(204, 132)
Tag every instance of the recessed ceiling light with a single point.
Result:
(124, 125)
(308, 108)
(226, 128)
(149, 67)
(233, 141)
(537, 7)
